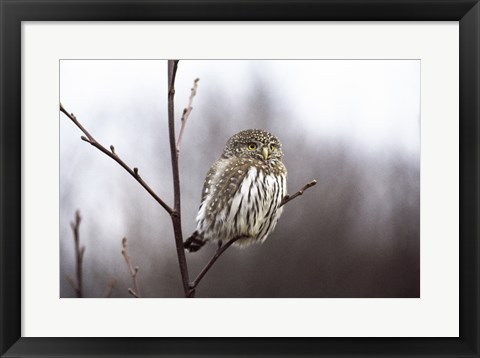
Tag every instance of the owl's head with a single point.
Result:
(254, 143)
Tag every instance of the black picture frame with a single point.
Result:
(13, 12)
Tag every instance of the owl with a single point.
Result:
(242, 192)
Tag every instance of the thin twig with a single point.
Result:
(133, 270)
(132, 292)
(112, 154)
(288, 198)
(186, 112)
(79, 252)
(176, 214)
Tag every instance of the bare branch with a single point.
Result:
(133, 270)
(79, 252)
(288, 198)
(186, 112)
(176, 214)
(133, 293)
(220, 250)
(112, 154)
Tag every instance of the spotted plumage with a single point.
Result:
(242, 191)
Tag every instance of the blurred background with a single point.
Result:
(353, 125)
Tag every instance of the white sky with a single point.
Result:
(373, 104)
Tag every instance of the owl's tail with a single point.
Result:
(194, 242)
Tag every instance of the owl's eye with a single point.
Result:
(272, 147)
(252, 146)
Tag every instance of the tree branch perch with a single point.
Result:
(288, 198)
(220, 250)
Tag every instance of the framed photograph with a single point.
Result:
(239, 179)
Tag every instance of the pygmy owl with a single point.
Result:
(242, 192)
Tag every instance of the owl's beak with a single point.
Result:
(265, 153)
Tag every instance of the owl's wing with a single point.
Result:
(223, 180)
(208, 181)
